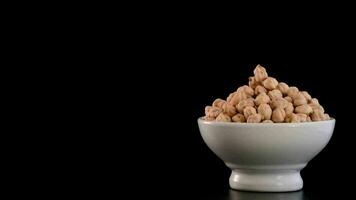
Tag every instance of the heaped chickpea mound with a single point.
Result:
(266, 100)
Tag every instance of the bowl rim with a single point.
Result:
(200, 120)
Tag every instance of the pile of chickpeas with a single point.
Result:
(265, 100)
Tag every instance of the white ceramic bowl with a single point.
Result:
(266, 157)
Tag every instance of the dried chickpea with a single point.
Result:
(260, 89)
(228, 99)
(283, 87)
(251, 100)
(255, 118)
(314, 101)
(292, 91)
(207, 109)
(320, 108)
(241, 96)
(262, 98)
(304, 109)
(267, 121)
(209, 118)
(244, 103)
(270, 83)
(218, 103)
(237, 97)
(278, 115)
(275, 94)
(240, 89)
(279, 103)
(292, 118)
(260, 73)
(289, 109)
(307, 95)
(247, 90)
(309, 119)
(223, 118)
(299, 99)
(229, 109)
(212, 111)
(252, 82)
(248, 111)
(302, 117)
(233, 99)
(316, 107)
(238, 118)
(265, 111)
(317, 116)
(289, 99)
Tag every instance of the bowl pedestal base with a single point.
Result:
(266, 180)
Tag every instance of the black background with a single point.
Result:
(173, 160)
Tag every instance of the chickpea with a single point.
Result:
(241, 96)
(283, 87)
(251, 101)
(212, 111)
(304, 109)
(255, 118)
(239, 118)
(289, 108)
(260, 73)
(316, 107)
(260, 89)
(320, 108)
(275, 94)
(299, 99)
(267, 121)
(279, 103)
(244, 103)
(206, 118)
(252, 82)
(317, 116)
(270, 83)
(292, 91)
(223, 118)
(218, 103)
(278, 115)
(237, 97)
(289, 99)
(292, 118)
(247, 90)
(248, 111)
(302, 117)
(262, 98)
(228, 99)
(309, 119)
(207, 109)
(229, 109)
(314, 101)
(307, 95)
(326, 117)
(265, 111)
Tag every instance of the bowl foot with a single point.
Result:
(266, 180)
